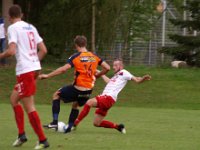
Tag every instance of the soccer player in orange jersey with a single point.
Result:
(85, 64)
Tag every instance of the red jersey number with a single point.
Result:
(88, 70)
(32, 42)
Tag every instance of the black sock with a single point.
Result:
(20, 135)
(55, 110)
(72, 117)
(43, 141)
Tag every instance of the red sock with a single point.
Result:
(108, 124)
(83, 114)
(19, 117)
(36, 124)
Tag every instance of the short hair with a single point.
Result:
(80, 41)
(120, 60)
(15, 11)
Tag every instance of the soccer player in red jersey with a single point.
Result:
(85, 64)
(23, 42)
(108, 98)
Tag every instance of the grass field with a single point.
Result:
(162, 114)
(147, 129)
(169, 88)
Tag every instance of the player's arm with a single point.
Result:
(9, 52)
(104, 77)
(141, 79)
(56, 72)
(105, 69)
(42, 50)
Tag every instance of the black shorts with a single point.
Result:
(71, 94)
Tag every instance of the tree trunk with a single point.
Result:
(93, 26)
(5, 7)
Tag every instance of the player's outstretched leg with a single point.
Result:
(108, 124)
(121, 128)
(55, 114)
(83, 114)
(72, 117)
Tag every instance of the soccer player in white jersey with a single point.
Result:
(108, 98)
(23, 42)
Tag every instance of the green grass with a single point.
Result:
(147, 129)
(162, 114)
(169, 88)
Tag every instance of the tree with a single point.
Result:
(93, 25)
(188, 48)
(124, 21)
(138, 19)
(115, 21)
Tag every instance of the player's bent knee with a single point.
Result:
(55, 95)
(75, 105)
(96, 124)
(91, 102)
(13, 103)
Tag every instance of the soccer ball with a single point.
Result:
(61, 127)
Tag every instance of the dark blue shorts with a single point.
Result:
(71, 94)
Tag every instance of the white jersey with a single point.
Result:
(26, 37)
(117, 83)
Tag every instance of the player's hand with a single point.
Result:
(37, 73)
(43, 76)
(97, 73)
(147, 77)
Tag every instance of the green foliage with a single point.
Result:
(141, 17)
(107, 18)
(59, 21)
(178, 4)
(191, 41)
(194, 24)
(188, 48)
(124, 21)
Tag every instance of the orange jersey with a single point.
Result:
(85, 64)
